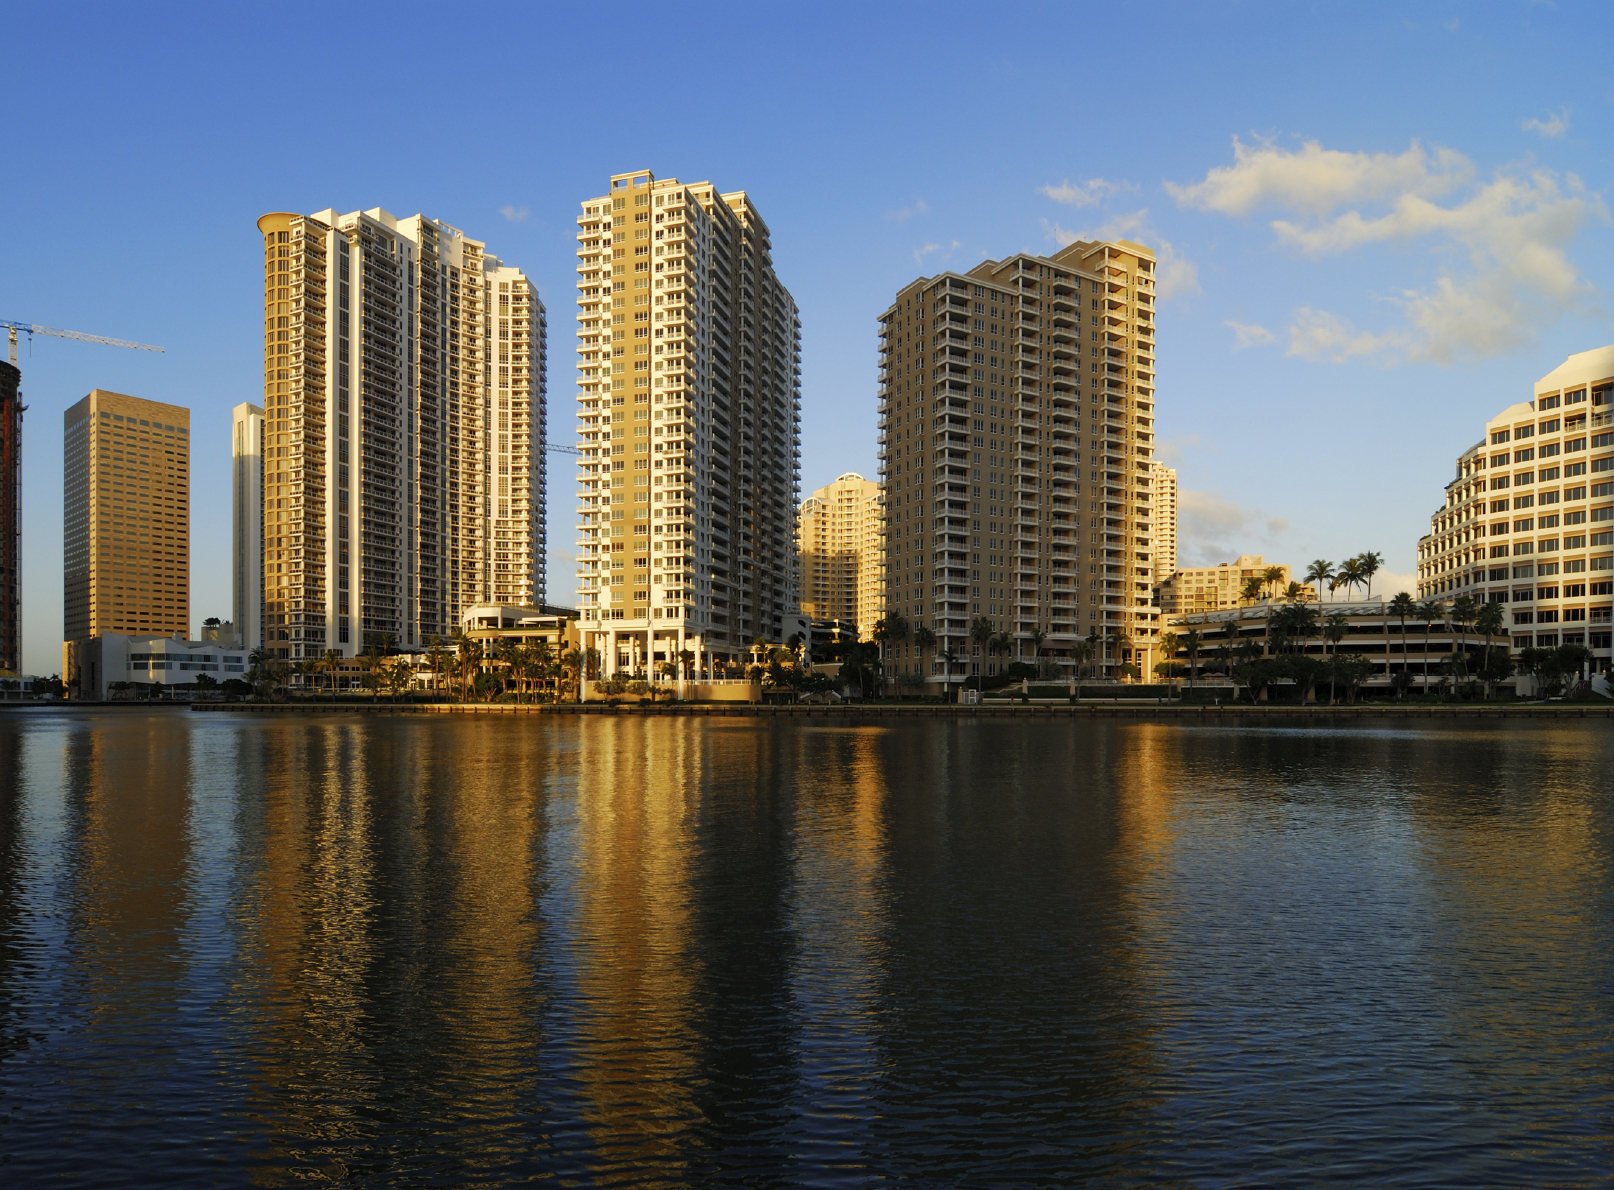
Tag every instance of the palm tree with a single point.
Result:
(1370, 564)
(1429, 611)
(1168, 646)
(1463, 611)
(889, 627)
(1190, 641)
(1251, 591)
(1120, 640)
(1491, 623)
(1294, 593)
(981, 630)
(331, 662)
(1402, 605)
(1095, 641)
(924, 640)
(436, 656)
(1037, 636)
(1350, 574)
(1334, 629)
(1271, 577)
(1319, 572)
(1079, 653)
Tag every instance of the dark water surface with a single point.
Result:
(594, 952)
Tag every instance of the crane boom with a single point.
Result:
(29, 328)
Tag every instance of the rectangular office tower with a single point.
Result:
(689, 419)
(403, 472)
(840, 529)
(126, 517)
(1017, 409)
(246, 524)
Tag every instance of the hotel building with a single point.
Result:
(1017, 411)
(689, 425)
(246, 523)
(126, 518)
(840, 530)
(1528, 518)
(403, 474)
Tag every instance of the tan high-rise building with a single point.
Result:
(840, 531)
(126, 504)
(1165, 521)
(1017, 410)
(689, 422)
(403, 476)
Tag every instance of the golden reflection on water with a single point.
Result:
(638, 792)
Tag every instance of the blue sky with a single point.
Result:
(1382, 222)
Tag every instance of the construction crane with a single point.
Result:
(31, 330)
(569, 450)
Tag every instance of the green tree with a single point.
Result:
(1320, 572)
(1403, 605)
(1370, 564)
(1491, 622)
(1335, 628)
(1464, 609)
(1250, 592)
(1429, 611)
(1037, 636)
(1270, 578)
(1190, 642)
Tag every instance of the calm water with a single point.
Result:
(401, 952)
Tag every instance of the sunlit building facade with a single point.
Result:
(839, 528)
(1211, 588)
(1528, 517)
(689, 422)
(126, 549)
(1017, 436)
(404, 404)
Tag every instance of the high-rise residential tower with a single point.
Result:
(1528, 516)
(840, 531)
(1017, 409)
(126, 517)
(10, 518)
(1164, 509)
(246, 525)
(689, 412)
(403, 476)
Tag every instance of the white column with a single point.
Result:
(678, 659)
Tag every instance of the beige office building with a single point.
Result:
(689, 423)
(246, 523)
(1165, 521)
(126, 505)
(1017, 411)
(1528, 518)
(403, 475)
(840, 530)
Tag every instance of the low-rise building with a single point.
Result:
(145, 666)
(1212, 588)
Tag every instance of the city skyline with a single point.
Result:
(1292, 332)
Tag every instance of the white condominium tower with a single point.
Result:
(1528, 518)
(689, 420)
(246, 523)
(1017, 410)
(403, 473)
(1165, 521)
(840, 529)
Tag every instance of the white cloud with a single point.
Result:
(1317, 180)
(515, 214)
(1082, 194)
(919, 254)
(1512, 232)
(919, 207)
(1389, 583)
(1171, 451)
(1211, 529)
(1319, 335)
(1555, 125)
(1248, 334)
